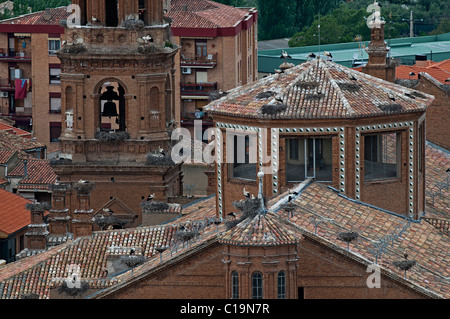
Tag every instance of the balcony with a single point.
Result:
(7, 55)
(206, 62)
(197, 90)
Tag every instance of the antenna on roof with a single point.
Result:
(260, 192)
(318, 27)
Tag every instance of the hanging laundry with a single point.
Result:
(21, 89)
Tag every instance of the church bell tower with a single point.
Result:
(117, 95)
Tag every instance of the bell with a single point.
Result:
(110, 109)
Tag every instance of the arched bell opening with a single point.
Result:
(112, 107)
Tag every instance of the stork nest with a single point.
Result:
(265, 94)
(351, 87)
(307, 84)
(154, 206)
(38, 207)
(73, 291)
(156, 159)
(73, 48)
(390, 107)
(84, 188)
(112, 137)
(249, 207)
(132, 261)
(132, 24)
(273, 109)
(348, 236)
(186, 235)
(404, 264)
(60, 161)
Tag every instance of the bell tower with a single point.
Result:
(378, 65)
(117, 93)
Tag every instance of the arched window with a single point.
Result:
(257, 285)
(281, 285)
(234, 285)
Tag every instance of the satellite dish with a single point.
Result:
(355, 56)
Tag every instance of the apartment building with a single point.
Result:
(218, 53)
(30, 91)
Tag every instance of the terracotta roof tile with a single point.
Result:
(319, 89)
(40, 272)
(436, 182)
(440, 71)
(5, 155)
(39, 174)
(204, 14)
(13, 214)
(13, 141)
(14, 130)
(38, 18)
(423, 243)
(263, 230)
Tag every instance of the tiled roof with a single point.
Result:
(435, 70)
(39, 272)
(14, 130)
(13, 141)
(5, 155)
(13, 214)
(204, 14)
(437, 181)
(319, 89)
(425, 244)
(38, 18)
(39, 174)
(263, 230)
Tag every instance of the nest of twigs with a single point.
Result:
(112, 137)
(156, 159)
(273, 109)
(60, 161)
(84, 188)
(390, 107)
(249, 207)
(348, 236)
(73, 291)
(265, 94)
(132, 261)
(73, 48)
(404, 264)
(154, 206)
(38, 207)
(186, 234)
(132, 24)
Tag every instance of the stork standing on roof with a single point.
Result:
(285, 55)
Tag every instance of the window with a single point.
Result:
(53, 46)
(234, 285)
(55, 73)
(55, 131)
(381, 154)
(257, 285)
(201, 48)
(281, 285)
(243, 157)
(309, 158)
(55, 105)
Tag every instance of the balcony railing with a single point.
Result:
(8, 55)
(197, 89)
(210, 60)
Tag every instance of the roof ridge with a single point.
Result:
(345, 102)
